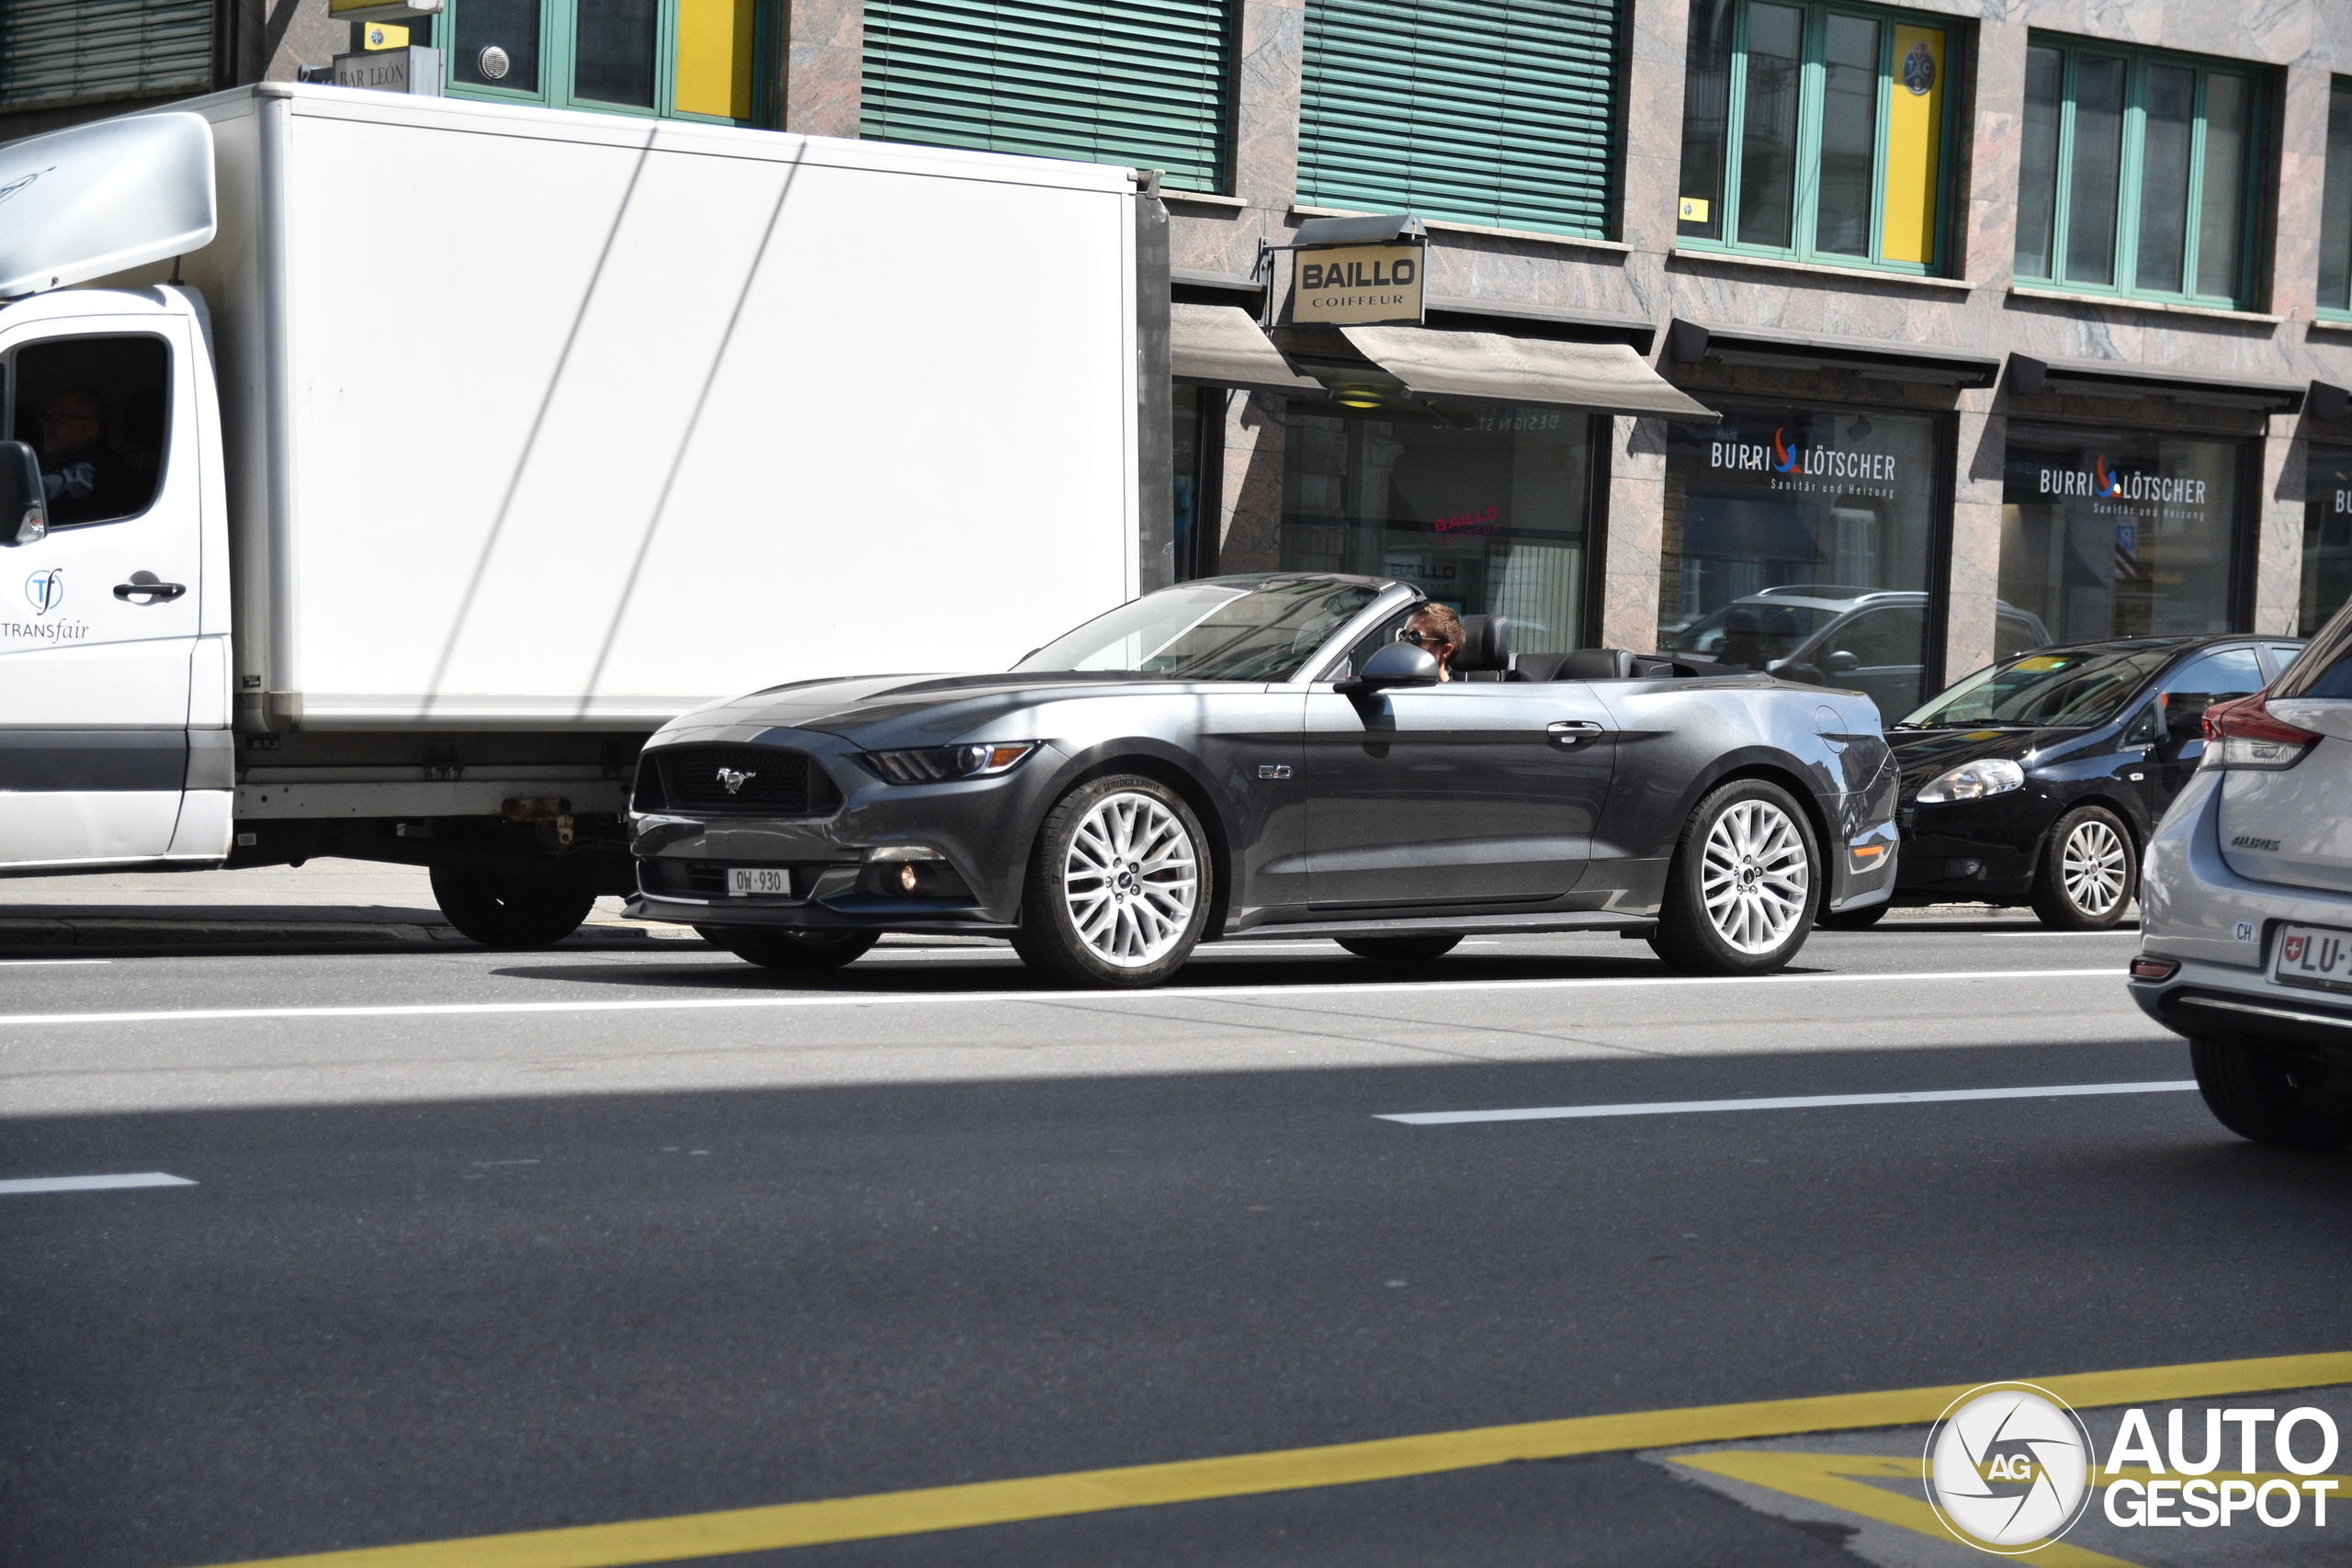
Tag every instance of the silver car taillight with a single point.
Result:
(2244, 734)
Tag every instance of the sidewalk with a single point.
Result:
(327, 905)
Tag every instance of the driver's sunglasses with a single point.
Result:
(1427, 639)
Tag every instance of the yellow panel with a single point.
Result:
(715, 58)
(1914, 131)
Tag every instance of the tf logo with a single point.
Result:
(45, 590)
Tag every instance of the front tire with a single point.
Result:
(2255, 1091)
(512, 906)
(1119, 885)
(1743, 885)
(1400, 949)
(791, 949)
(2089, 870)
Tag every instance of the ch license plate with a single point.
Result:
(758, 881)
(2313, 955)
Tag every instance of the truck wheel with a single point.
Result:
(1117, 892)
(509, 907)
(1852, 919)
(2089, 871)
(1741, 890)
(786, 947)
(1400, 949)
(2259, 1092)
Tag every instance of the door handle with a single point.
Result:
(1568, 731)
(144, 583)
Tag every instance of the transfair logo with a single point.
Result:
(2009, 1468)
(45, 590)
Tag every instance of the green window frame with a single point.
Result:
(1809, 207)
(2336, 208)
(685, 33)
(2129, 184)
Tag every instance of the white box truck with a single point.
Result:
(380, 470)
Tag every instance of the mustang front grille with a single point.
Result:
(763, 780)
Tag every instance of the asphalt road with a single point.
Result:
(481, 1243)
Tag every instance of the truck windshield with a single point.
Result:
(2054, 689)
(1262, 630)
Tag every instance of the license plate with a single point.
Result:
(758, 881)
(2313, 955)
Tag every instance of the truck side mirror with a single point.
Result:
(24, 512)
(1394, 664)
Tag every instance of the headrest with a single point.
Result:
(1595, 665)
(1486, 643)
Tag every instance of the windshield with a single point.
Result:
(2044, 689)
(1751, 633)
(1211, 631)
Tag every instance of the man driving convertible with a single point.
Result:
(1437, 630)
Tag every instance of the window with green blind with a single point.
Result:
(54, 52)
(2139, 173)
(1144, 83)
(1501, 113)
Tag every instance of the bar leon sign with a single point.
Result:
(1358, 285)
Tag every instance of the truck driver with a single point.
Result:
(84, 479)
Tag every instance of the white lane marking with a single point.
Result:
(969, 999)
(51, 962)
(1789, 1103)
(91, 1184)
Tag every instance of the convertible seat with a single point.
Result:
(1583, 665)
(1485, 653)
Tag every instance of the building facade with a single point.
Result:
(2012, 321)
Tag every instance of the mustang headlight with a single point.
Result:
(1972, 781)
(929, 764)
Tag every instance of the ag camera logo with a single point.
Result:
(2009, 1468)
(45, 590)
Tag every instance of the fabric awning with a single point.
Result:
(2120, 378)
(1222, 345)
(1607, 378)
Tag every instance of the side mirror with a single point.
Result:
(1394, 664)
(24, 511)
(1841, 663)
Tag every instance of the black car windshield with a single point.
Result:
(1752, 632)
(1211, 631)
(2056, 689)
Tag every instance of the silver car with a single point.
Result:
(2245, 937)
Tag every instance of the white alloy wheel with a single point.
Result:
(2095, 866)
(1755, 878)
(1131, 879)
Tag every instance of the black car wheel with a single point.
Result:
(1852, 919)
(2262, 1093)
(1741, 890)
(790, 947)
(2089, 870)
(512, 906)
(1400, 949)
(1117, 892)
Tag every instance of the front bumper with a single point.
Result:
(1972, 851)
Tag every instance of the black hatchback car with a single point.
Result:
(2037, 781)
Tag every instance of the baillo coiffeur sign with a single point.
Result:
(1359, 286)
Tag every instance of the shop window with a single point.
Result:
(2114, 532)
(1500, 113)
(1147, 82)
(1798, 539)
(2138, 174)
(676, 59)
(2336, 208)
(1817, 132)
(1483, 508)
(2328, 538)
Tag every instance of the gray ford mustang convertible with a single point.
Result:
(1263, 754)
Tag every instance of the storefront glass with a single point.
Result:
(2327, 538)
(1484, 508)
(1798, 539)
(2110, 534)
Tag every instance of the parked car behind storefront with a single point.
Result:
(2039, 780)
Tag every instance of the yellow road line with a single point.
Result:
(885, 1514)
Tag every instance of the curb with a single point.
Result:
(100, 935)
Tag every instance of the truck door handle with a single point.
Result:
(1568, 731)
(144, 583)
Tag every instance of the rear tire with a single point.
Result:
(1743, 885)
(1851, 920)
(1400, 949)
(2089, 870)
(2252, 1091)
(792, 949)
(511, 906)
(1118, 887)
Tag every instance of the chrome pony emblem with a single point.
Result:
(733, 780)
